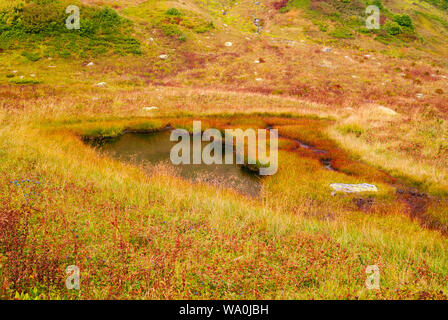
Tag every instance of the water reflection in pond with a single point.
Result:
(155, 148)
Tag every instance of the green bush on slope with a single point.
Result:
(393, 28)
(347, 18)
(404, 20)
(40, 24)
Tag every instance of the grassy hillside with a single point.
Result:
(37, 28)
(375, 101)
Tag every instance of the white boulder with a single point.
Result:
(386, 110)
(149, 108)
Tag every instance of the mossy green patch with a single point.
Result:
(38, 28)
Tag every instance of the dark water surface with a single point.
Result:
(153, 148)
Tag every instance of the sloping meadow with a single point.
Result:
(159, 236)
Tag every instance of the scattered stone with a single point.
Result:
(326, 50)
(32, 75)
(387, 110)
(151, 39)
(90, 64)
(348, 58)
(258, 79)
(51, 66)
(326, 64)
(257, 61)
(419, 95)
(101, 84)
(256, 22)
(353, 188)
(14, 71)
(149, 108)
(21, 77)
(163, 56)
(228, 44)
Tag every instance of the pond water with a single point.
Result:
(153, 148)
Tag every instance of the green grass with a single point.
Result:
(38, 28)
(347, 18)
(298, 4)
(351, 128)
(342, 33)
(24, 81)
(174, 22)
